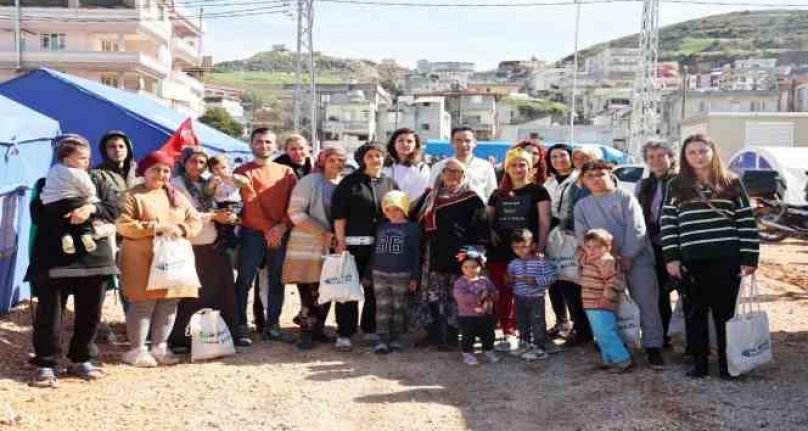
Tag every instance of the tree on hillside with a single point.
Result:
(220, 119)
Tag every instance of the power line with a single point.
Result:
(549, 3)
(233, 13)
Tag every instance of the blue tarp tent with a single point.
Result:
(25, 155)
(90, 109)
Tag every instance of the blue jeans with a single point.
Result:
(604, 327)
(275, 294)
(251, 253)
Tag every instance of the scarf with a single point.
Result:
(204, 203)
(440, 198)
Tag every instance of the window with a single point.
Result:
(14, 41)
(109, 79)
(110, 46)
(53, 41)
(425, 126)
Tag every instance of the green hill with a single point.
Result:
(763, 34)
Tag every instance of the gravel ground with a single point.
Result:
(272, 386)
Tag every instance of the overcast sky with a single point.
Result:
(482, 35)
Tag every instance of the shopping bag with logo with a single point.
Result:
(748, 340)
(562, 251)
(339, 279)
(628, 319)
(173, 264)
(210, 337)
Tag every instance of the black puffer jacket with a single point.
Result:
(120, 178)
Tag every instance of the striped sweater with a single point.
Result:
(530, 278)
(601, 281)
(699, 226)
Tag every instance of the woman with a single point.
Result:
(213, 265)
(311, 238)
(296, 155)
(652, 193)
(709, 238)
(580, 157)
(519, 203)
(618, 212)
(152, 209)
(452, 216)
(405, 164)
(54, 275)
(536, 150)
(356, 209)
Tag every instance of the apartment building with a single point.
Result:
(427, 116)
(149, 47)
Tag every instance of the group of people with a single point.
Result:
(447, 251)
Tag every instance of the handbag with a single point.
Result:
(210, 336)
(628, 319)
(173, 264)
(339, 279)
(562, 251)
(748, 339)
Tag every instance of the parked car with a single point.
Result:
(628, 176)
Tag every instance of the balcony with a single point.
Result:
(352, 127)
(184, 22)
(185, 51)
(90, 20)
(183, 92)
(96, 60)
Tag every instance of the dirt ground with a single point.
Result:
(271, 386)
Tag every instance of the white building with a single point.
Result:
(426, 115)
(144, 46)
(439, 76)
(613, 62)
(552, 78)
(350, 116)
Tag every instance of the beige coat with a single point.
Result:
(142, 211)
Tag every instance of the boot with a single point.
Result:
(655, 359)
(306, 341)
(700, 367)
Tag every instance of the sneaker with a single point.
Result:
(620, 367)
(45, 377)
(275, 333)
(491, 357)
(89, 243)
(552, 348)
(381, 348)
(139, 357)
(163, 355)
(655, 361)
(470, 359)
(67, 245)
(559, 330)
(396, 345)
(343, 344)
(243, 337)
(506, 345)
(522, 348)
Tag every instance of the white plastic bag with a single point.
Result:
(676, 328)
(173, 264)
(748, 340)
(210, 337)
(562, 250)
(339, 279)
(628, 319)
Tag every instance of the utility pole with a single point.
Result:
(575, 71)
(305, 117)
(18, 33)
(684, 106)
(644, 116)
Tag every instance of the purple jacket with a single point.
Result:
(467, 294)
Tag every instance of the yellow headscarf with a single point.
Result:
(518, 154)
(396, 198)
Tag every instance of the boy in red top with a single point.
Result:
(264, 229)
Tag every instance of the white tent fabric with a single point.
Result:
(790, 162)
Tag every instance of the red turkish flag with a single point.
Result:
(183, 137)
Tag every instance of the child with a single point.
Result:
(225, 189)
(529, 276)
(396, 269)
(69, 181)
(601, 282)
(475, 296)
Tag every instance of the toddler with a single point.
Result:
(396, 268)
(225, 188)
(475, 296)
(601, 283)
(530, 276)
(68, 185)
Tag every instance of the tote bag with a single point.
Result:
(210, 336)
(562, 251)
(173, 264)
(749, 342)
(339, 279)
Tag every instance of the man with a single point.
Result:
(652, 194)
(481, 175)
(117, 169)
(264, 230)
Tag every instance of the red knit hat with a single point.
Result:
(157, 157)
